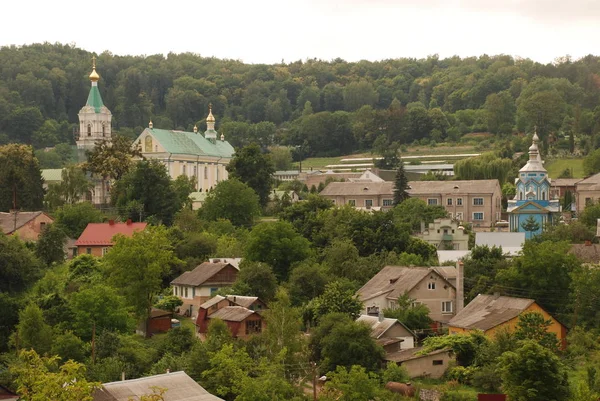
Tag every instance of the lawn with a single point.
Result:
(557, 166)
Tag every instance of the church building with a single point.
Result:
(532, 208)
(201, 157)
(94, 125)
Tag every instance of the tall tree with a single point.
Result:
(73, 219)
(254, 168)
(400, 185)
(32, 331)
(147, 191)
(50, 247)
(232, 200)
(19, 268)
(20, 179)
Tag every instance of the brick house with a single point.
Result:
(97, 238)
(26, 225)
(241, 314)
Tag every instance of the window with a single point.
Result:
(89, 130)
(195, 171)
(543, 195)
(432, 202)
(253, 326)
(520, 195)
(352, 202)
(103, 130)
(477, 201)
(459, 216)
(368, 203)
(431, 286)
(458, 201)
(186, 291)
(213, 291)
(104, 251)
(175, 290)
(414, 304)
(42, 225)
(88, 251)
(183, 169)
(478, 216)
(449, 201)
(205, 172)
(388, 202)
(148, 144)
(437, 362)
(446, 306)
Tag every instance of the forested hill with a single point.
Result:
(328, 107)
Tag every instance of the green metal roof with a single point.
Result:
(190, 143)
(52, 174)
(94, 99)
(198, 196)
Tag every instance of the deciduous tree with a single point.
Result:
(254, 168)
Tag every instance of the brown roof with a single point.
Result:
(232, 313)
(213, 301)
(459, 187)
(246, 302)
(394, 281)
(180, 387)
(488, 311)
(8, 223)
(155, 312)
(411, 353)
(358, 188)
(594, 179)
(378, 328)
(564, 182)
(587, 253)
(200, 274)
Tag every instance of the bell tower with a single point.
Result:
(94, 118)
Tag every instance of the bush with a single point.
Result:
(460, 395)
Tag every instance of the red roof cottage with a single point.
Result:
(241, 314)
(97, 237)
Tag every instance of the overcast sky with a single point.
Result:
(274, 30)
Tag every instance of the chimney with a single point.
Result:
(588, 242)
(460, 287)
(111, 222)
(128, 222)
(122, 376)
(168, 371)
(380, 316)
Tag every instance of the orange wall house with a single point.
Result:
(492, 313)
(26, 225)
(96, 239)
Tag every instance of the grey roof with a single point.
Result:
(594, 179)
(213, 301)
(412, 353)
(231, 313)
(8, 221)
(511, 242)
(458, 187)
(564, 182)
(451, 255)
(201, 274)
(179, 387)
(587, 253)
(488, 311)
(378, 328)
(394, 281)
(242, 300)
(51, 175)
(358, 188)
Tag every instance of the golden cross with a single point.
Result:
(94, 62)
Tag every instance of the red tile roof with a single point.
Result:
(101, 234)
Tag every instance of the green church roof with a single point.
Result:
(191, 143)
(52, 174)
(94, 99)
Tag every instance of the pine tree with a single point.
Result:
(400, 186)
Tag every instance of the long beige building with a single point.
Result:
(361, 195)
(587, 192)
(478, 202)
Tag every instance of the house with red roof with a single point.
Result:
(97, 238)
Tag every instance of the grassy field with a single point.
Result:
(556, 167)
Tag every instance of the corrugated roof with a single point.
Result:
(244, 301)
(447, 272)
(180, 387)
(201, 274)
(393, 281)
(411, 353)
(9, 222)
(232, 313)
(488, 311)
(52, 175)
(190, 143)
(504, 239)
(101, 234)
(458, 187)
(378, 328)
(213, 301)
(358, 188)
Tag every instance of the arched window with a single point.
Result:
(544, 195)
(184, 169)
(206, 172)
(89, 129)
(520, 195)
(103, 130)
(148, 144)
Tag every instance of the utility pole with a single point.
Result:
(314, 365)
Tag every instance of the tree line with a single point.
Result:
(318, 107)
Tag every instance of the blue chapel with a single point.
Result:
(532, 197)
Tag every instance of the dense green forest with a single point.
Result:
(319, 107)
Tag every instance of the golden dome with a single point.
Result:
(210, 118)
(94, 77)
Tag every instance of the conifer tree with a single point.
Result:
(400, 186)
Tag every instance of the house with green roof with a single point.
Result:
(191, 154)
